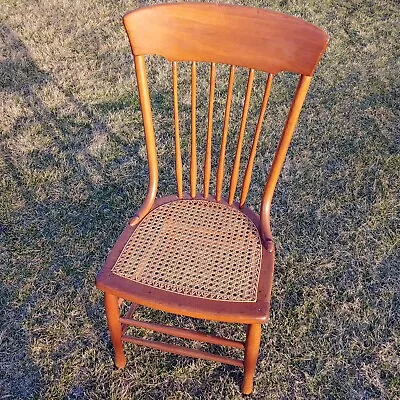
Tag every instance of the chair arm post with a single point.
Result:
(279, 159)
(146, 206)
(140, 69)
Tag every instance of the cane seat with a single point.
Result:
(197, 248)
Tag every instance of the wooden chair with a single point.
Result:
(194, 254)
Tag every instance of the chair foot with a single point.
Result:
(247, 387)
(114, 326)
(252, 346)
(120, 362)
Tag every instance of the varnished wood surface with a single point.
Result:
(145, 104)
(178, 154)
(244, 36)
(224, 141)
(226, 311)
(252, 346)
(280, 154)
(115, 328)
(239, 36)
(193, 140)
(236, 163)
(128, 315)
(250, 162)
(207, 159)
(182, 333)
(184, 351)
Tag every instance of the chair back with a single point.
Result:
(253, 38)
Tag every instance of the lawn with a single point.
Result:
(73, 170)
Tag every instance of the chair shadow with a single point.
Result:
(70, 134)
(14, 350)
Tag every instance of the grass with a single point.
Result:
(72, 170)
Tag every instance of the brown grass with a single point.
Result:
(72, 170)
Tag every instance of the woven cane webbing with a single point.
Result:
(197, 248)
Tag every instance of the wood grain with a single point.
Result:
(252, 347)
(239, 36)
(237, 312)
(207, 159)
(236, 163)
(178, 155)
(224, 140)
(145, 105)
(244, 36)
(183, 333)
(193, 142)
(250, 163)
(280, 154)
(184, 351)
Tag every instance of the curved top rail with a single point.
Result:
(244, 36)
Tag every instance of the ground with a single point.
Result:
(73, 170)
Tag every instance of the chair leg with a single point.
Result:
(252, 346)
(112, 313)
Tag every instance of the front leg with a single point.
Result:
(114, 325)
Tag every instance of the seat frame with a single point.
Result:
(239, 36)
(224, 311)
(118, 289)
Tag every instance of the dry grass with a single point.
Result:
(72, 172)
